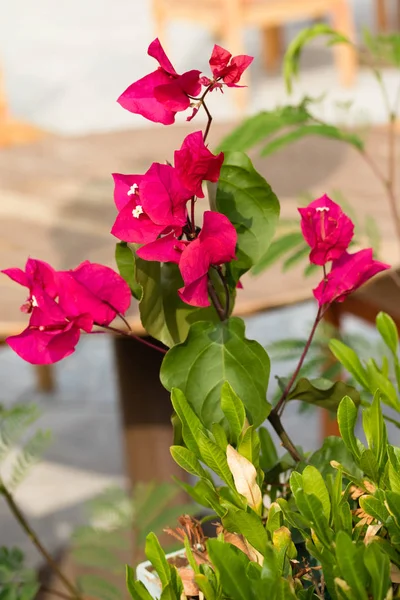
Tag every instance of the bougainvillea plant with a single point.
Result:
(183, 260)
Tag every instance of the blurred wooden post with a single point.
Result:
(272, 47)
(146, 413)
(381, 15)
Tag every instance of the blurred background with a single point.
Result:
(62, 66)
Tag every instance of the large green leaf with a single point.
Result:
(323, 392)
(351, 565)
(156, 555)
(163, 314)
(313, 483)
(378, 565)
(249, 525)
(191, 424)
(231, 565)
(388, 330)
(211, 355)
(248, 201)
(136, 589)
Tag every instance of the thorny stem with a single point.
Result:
(131, 335)
(36, 542)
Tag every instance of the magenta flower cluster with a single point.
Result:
(329, 231)
(156, 212)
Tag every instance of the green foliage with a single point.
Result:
(323, 392)
(124, 257)
(291, 64)
(383, 47)
(223, 352)
(16, 581)
(248, 201)
(15, 435)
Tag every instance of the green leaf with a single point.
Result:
(155, 554)
(375, 431)
(311, 507)
(126, 266)
(313, 483)
(187, 460)
(230, 564)
(206, 587)
(256, 128)
(191, 424)
(215, 459)
(275, 518)
(379, 382)
(291, 61)
(393, 505)
(378, 566)
(369, 465)
(302, 252)
(319, 129)
(249, 525)
(136, 588)
(351, 565)
(349, 359)
(374, 507)
(234, 411)
(211, 355)
(323, 392)
(219, 435)
(249, 445)
(347, 418)
(277, 249)
(163, 314)
(394, 470)
(334, 448)
(269, 455)
(248, 201)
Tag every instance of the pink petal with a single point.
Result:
(219, 237)
(17, 275)
(235, 70)
(140, 230)
(171, 96)
(122, 185)
(165, 249)
(164, 197)
(43, 348)
(190, 82)
(139, 98)
(104, 283)
(195, 163)
(155, 50)
(196, 293)
(219, 60)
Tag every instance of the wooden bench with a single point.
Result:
(57, 205)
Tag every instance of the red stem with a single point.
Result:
(134, 337)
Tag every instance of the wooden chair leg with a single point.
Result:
(45, 378)
(271, 47)
(346, 56)
(381, 15)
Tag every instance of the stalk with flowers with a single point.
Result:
(217, 377)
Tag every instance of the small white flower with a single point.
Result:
(133, 189)
(322, 209)
(137, 211)
(34, 302)
(41, 328)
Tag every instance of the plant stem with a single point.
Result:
(287, 443)
(209, 119)
(216, 301)
(133, 336)
(36, 542)
(192, 207)
(278, 409)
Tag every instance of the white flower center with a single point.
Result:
(133, 189)
(41, 328)
(322, 209)
(34, 302)
(137, 211)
